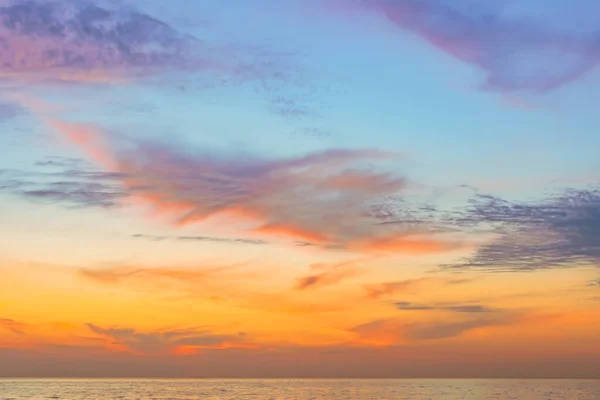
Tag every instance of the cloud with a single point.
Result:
(321, 198)
(394, 331)
(65, 162)
(515, 54)
(200, 239)
(122, 274)
(168, 341)
(160, 238)
(445, 330)
(375, 291)
(64, 181)
(60, 36)
(329, 274)
(457, 308)
(15, 327)
(114, 42)
(558, 232)
(378, 290)
(9, 111)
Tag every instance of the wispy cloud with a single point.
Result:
(200, 239)
(114, 42)
(61, 181)
(321, 198)
(323, 274)
(375, 291)
(516, 54)
(9, 111)
(241, 285)
(561, 231)
(379, 290)
(121, 274)
(13, 326)
(452, 307)
(444, 330)
(167, 341)
(394, 331)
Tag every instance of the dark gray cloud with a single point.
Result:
(457, 308)
(561, 231)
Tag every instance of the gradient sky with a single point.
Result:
(326, 188)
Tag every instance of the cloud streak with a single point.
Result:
(384, 289)
(456, 308)
(200, 239)
(65, 183)
(186, 341)
(121, 274)
(15, 327)
(329, 274)
(394, 331)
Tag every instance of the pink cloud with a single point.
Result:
(320, 198)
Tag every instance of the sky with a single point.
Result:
(315, 188)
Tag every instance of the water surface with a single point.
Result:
(282, 389)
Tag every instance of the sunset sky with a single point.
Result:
(300, 188)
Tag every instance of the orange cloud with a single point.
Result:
(405, 244)
(169, 341)
(12, 326)
(375, 291)
(290, 232)
(187, 280)
(329, 274)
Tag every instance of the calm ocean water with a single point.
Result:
(408, 389)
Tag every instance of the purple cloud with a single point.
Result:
(46, 36)
(516, 55)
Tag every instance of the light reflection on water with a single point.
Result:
(304, 389)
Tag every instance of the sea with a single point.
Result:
(299, 389)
